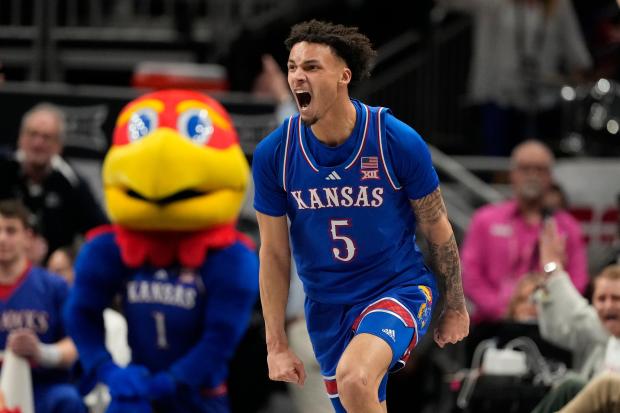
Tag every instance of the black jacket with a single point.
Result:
(63, 205)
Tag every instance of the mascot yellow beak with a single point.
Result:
(165, 181)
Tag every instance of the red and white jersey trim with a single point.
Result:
(303, 148)
(363, 143)
(382, 151)
(288, 136)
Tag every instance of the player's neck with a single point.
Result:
(10, 271)
(337, 125)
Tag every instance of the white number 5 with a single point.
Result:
(348, 242)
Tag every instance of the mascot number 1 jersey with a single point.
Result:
(352, 226)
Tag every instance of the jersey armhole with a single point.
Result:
(383, 149)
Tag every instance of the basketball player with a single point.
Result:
(354, 181)
(31, 326)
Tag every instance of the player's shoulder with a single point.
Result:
(399, 135)
(271, 143)
(403, 141)
(400, 132)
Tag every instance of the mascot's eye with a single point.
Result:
(141, 124)
(196, 125)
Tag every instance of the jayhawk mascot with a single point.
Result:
(174, 182)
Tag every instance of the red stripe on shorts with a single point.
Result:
(386, 304)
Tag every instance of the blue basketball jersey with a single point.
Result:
(36, 305)
(352, 226)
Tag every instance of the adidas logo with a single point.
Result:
(333, 177)
(390, 333)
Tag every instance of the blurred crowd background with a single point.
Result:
(476, 78)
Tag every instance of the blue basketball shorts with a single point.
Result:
(400, 317)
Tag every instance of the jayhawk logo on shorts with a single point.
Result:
(424, 311)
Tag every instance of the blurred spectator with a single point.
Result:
(60, 199)
(30, 324)
(520, 48)
(591, 332)
(522, 307)
(37, 249)
(555, 199)
(61, 262)
(501, 244)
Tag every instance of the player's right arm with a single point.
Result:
(270, 203)
(274, 282)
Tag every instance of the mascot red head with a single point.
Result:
(174, 179)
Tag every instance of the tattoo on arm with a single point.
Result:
(444, 256)
(445, 260)
(429, 209)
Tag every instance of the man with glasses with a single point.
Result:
(61, 201)
(501, 244)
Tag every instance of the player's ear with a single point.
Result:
(345, 77)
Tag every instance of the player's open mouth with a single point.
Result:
(303, 99)
(178, 196)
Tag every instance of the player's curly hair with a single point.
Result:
(347, 42)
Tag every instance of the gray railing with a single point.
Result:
(465, 191)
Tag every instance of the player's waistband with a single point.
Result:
(353, 292)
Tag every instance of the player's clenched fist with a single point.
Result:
(286, 366)
(453, 326)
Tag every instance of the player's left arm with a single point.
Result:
(432, 218)
(414, 170)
